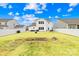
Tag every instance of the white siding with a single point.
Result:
(12, 23)
(3, 23)
(33, 28)
(44, 25)
(41, 25)
(50, 26)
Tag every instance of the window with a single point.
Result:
(41, 28)
(77, 26)
(41, 22)
(48, 28)
(72, 26)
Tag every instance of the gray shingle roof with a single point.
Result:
(70, 20)
(5, 20)
(19, 26)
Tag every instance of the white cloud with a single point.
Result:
(27, 16)
(50, 17)
(4, 5)
(17, 17)
(70, 9)
(38, 12)
(30, 17)
(73, 4)
(35, 6)
(57, 17)
(26, 19)
(59, 10)
(66, 15)
(10, 13)
(25, 23)
(17, 13)
(43, 6)
(10, 6)
(31, 6)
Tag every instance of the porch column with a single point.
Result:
(67, 26)
(76, 26)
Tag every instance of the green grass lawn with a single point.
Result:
(17, 45)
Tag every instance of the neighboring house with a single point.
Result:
(41, 25)
(71, 23)
(8, 23)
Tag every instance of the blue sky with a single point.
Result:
(25, 13)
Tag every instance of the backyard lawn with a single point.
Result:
(40, 44)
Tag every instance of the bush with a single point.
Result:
(18, 31)
(35, 31)
(51, 30)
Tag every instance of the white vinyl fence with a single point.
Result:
(74, 32)
(10, 31)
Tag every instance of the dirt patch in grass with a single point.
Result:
(36, 39)
(54, 38)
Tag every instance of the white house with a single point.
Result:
(41, 25)
(8, 23)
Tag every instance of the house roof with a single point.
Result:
(33, 24)
(70, 20)
(19, 26)
(42, 19)
(5, 20)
